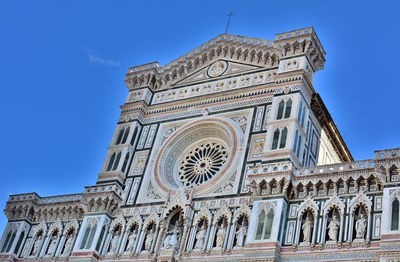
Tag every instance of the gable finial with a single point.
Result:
(229, 20)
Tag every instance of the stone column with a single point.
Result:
(60, 245)
(98, 232)
(107, 241)
(351, 222)
(141, 237)
(232, 236)
(211, 238)
(56, 247)
(184, 237)
(155, 240)
(192, 236)
(368, 226)
(341, 228)
(298, 228)
(204, 248)
(228, 229)
(45, 242)
(124, 237)
(315, 229)
(323, 229)
(138, 235)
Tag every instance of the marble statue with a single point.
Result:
(131, 242)
(52, 245)
(36, 246)
(173, 241)
(307, 227)
(240, 234)
(200, 238)
(361, 225)
(333, 228)
(166, 242)
(221, 236)
(114, 243)
(68, 245)
(149, 241)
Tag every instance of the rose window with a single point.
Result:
(202, 163)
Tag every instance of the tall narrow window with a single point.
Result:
(300, 109)
(302, 117)
(100, 238)
(260, 225)
(275, 139)
(110, 164)
(85, 237)
(91, 236)
(21, 237)
(298, 148)
(117, 161)
(280, 110)
(268, 227)
(121, 133)
(395, 215)
(295, 141)
(133, 136)
(282, 144)
(125, 162)
(126, 135)
(11, 242)
(288, 108)
(6, 242)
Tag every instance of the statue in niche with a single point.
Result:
(200, 238)
(361, 226)
(333, 228)
(52, 245)
(68, 244)
(221, 236)
(166, 241)
(131, 242)
(240, 234)
(173, 241)
(149, 240)
(114, 243)
(307, 227)
(36, 246)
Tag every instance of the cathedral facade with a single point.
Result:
(226, 153)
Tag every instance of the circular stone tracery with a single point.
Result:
(202, 163)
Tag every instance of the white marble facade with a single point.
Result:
(227, 152)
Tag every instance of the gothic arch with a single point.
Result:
(42, 226)
(55, 226)
(203, 214)
(308, 204)
(332, 203)
(224, 212)
(135, 219)
(242, 211)
(152, 218)
(360, 199)
(119, 221)
(72, 225)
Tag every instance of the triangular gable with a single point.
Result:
(217, 69)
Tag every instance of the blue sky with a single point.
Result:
(62, 66)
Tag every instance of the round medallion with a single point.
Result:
(217, 68)
(202, 163)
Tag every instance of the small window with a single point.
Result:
(288, 108)
(110, 164)
(126, 135)
(280, 110)
(121, 133)
(300, 109)
(125, 162)
(395, 215)
(117, 161)
(275, 139)
(295, 141)
(302, 117)
(283, 138)
(298, 148)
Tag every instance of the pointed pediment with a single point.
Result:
(217, 69)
